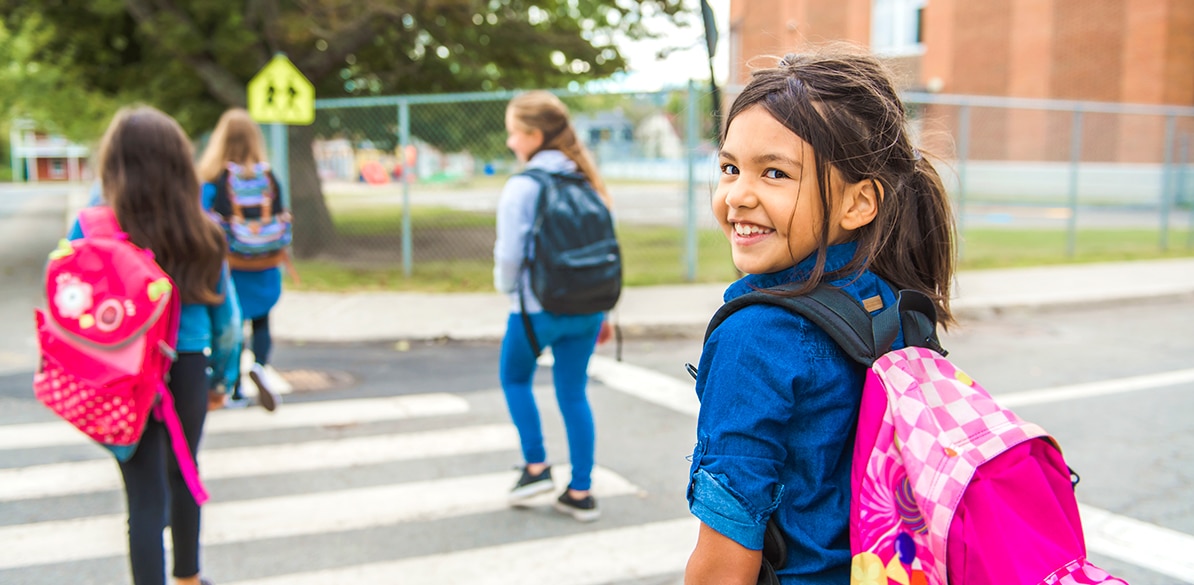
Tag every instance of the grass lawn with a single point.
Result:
(655, 255)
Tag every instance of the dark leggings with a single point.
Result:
(157, 495)
(262, 342)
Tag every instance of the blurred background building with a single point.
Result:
(1117, 51)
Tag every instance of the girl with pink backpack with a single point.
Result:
(145, 165)
(820, 183)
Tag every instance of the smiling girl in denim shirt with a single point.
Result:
(819, 183)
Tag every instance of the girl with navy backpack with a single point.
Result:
(147, 177)
(820, 183)
(540, 134)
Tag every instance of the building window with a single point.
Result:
(897, 27)
(57, 168)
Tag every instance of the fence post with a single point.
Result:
(403, 141)
(963, 156)
(1075, 161)
(1167, 183)
(690, 236)
(1184, 162)
(279, 137)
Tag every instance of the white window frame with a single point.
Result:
(895, 25)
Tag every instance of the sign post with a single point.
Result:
(279, 95)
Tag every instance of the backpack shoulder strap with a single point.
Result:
(99, 222)
(862, 337)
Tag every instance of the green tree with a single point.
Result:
(193, 59)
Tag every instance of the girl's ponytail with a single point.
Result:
(919, 251)
(567, 143)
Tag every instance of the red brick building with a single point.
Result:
(1124, 51)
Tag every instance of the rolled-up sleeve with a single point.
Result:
(746, 388)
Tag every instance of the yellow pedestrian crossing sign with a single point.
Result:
(279, 94)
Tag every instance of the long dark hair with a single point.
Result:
(148, 174)
(844, 104)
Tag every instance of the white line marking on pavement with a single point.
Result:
(307, 414)
(1152, 547)
(645, 384)
(591, 558)
(285, 516)
(1100, 388)
(59, 479)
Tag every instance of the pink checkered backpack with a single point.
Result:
(107, 338)
(947, 486)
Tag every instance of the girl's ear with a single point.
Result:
(860, 204)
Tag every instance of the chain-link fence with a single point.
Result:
(413, 181)
(1062, 164)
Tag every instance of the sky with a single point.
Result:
(689, 59)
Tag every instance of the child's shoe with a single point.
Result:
(583, 510)
(529, 486)
(266, 396)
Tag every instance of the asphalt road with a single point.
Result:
(1131, 447)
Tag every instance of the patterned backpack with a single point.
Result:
(251, 214)
(947, 486)
(107, 339)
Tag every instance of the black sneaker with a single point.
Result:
(583, 510)
(529, 485)
(267, 397)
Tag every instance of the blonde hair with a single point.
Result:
(543, 111)
(237, 139)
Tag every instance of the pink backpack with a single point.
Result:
(107, 339)
(947, 486)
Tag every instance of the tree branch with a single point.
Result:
(221, 83)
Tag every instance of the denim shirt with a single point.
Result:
(775, 433)
(213, 330)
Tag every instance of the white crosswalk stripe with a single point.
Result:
(442, 430)
(312, 414)
(99, 475)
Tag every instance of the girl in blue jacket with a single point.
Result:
(541, 135)
(237, 139)
(819, 183)
(148, 178)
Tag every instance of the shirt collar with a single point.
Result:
(836, 258)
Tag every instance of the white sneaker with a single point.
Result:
(266, 396)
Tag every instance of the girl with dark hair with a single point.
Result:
(820, 183)
(148, 178)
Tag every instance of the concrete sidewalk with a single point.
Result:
(685, 309)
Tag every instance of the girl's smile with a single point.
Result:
(767, 200)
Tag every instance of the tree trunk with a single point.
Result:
(313, 227)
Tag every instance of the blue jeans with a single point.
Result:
(572, 339)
